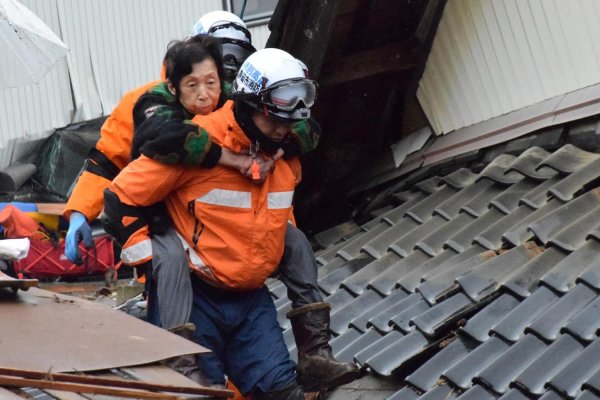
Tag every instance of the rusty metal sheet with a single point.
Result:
(42, 330)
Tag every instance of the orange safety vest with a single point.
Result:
(232, 229)
(116, 136)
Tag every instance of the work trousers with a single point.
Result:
(241, 330)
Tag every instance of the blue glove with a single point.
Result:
(79, 230)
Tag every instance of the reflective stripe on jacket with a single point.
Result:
(234, 227)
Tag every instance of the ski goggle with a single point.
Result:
(230, 30)
(289, 95)
(235, 52)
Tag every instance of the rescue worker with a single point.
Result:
(233, 230)
(310, 315)
(298, 270)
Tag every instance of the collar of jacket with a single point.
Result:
(243, 116)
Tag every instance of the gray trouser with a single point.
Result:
(171, 276)
(298, 269)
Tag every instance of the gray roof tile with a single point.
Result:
(584, 326)
(463, 238)
(353, 248)
(385, 282)
(569, 379)
(527, 162)
(377, 346)
(563, 275)
(440, 392)
(577, 232)
(381, 320)
(423, 210)
(433, 320)
(397, 214)
(361, 322)
(443, 282)
(553, 222)
(433, 243)
(568, 159)
(405, 393)
(401, 320)
(537, 197)
(405, 244)
(509, 199)
(347, 353)
(568, 188)
(485, 278)
(330, 283)
(462, 373)
(391, 358)
(358, 281)
(412, 278)
(341, 342)
(496, 170)
(333, 235)
(460, 178)
(341, 317)
(547, 326)
(512, 326)
(479, 326)
(498, 375)
(491, 238)
(477, 392)
(513, 394)
(533, 378)
(450, 207)
(425, 377)
(524, 281)
(587, 395)
(378, 246)
(519, 233)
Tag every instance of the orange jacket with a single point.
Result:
(115, 140)
(233, 229)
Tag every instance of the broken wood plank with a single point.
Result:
(23, 284)
(81, 388)
(122, 383)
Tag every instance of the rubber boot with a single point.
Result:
(188, 364)
(292, 391)
(316, 368)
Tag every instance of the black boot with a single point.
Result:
(188, 364)
(292, 391)
(317, 369)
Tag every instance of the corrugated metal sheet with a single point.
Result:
(491, 57)
(115, 46)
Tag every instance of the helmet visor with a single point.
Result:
(230, 30)
(290, 94)
(235, 52)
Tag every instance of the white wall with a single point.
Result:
(492, 57)
(115, 45)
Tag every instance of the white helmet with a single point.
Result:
(273, 81)
(232, 33)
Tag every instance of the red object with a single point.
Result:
(45, 260)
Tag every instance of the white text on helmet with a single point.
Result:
(251, 77)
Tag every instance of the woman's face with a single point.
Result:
(199, 91)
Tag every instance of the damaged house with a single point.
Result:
(453, 200)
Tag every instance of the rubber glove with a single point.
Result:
(79, 230)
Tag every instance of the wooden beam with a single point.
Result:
(79, 388)
(122, 383)
(388, 59)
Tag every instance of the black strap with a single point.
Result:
(101, 165)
